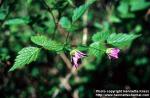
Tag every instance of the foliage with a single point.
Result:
(46, 43)
(78, 12)
(65, 23)
(37, 37)
(121, 40)
(26, 56)
(17, 21)
(100, 36)
(97, 49)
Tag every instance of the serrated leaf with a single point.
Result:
(121, 40)
(100, 36)
(16, 21)
(47, 43)
(96, 49)
(39, 40)
(78, 12)
(25, 56)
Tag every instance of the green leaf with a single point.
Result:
(29, 1)
(138, 28)
(47, 43)
(129, 15)
(70, 2)
(65, 23)
(16, 21)
(89, 2)
(123, 8)
(82, 48)
(2, 15)
(78, 12)
(26, 56)
(96, 49)
(114, 19)
(100, 36)
(139, 5)
(121, 40)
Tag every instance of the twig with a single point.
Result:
(50, 11)
(67, 37)
(66, 60)
(66, 42)
(65, 82)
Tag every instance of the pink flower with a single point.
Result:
(76, 56)
(112, 53)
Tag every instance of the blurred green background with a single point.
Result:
(49, 77)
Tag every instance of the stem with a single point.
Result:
(67, 37)
(50, 11)
(66, 42)
(66, 60)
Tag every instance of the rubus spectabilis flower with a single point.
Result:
(76, 56)
(112, 53)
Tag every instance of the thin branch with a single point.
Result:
(66, 60)
(67, 37)
(50, 11)
(65, 82)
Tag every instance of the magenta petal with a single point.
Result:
(81, 53)
(112, 53)
(76, 57)
(115, 55)
(115, 50)
(75, 60)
